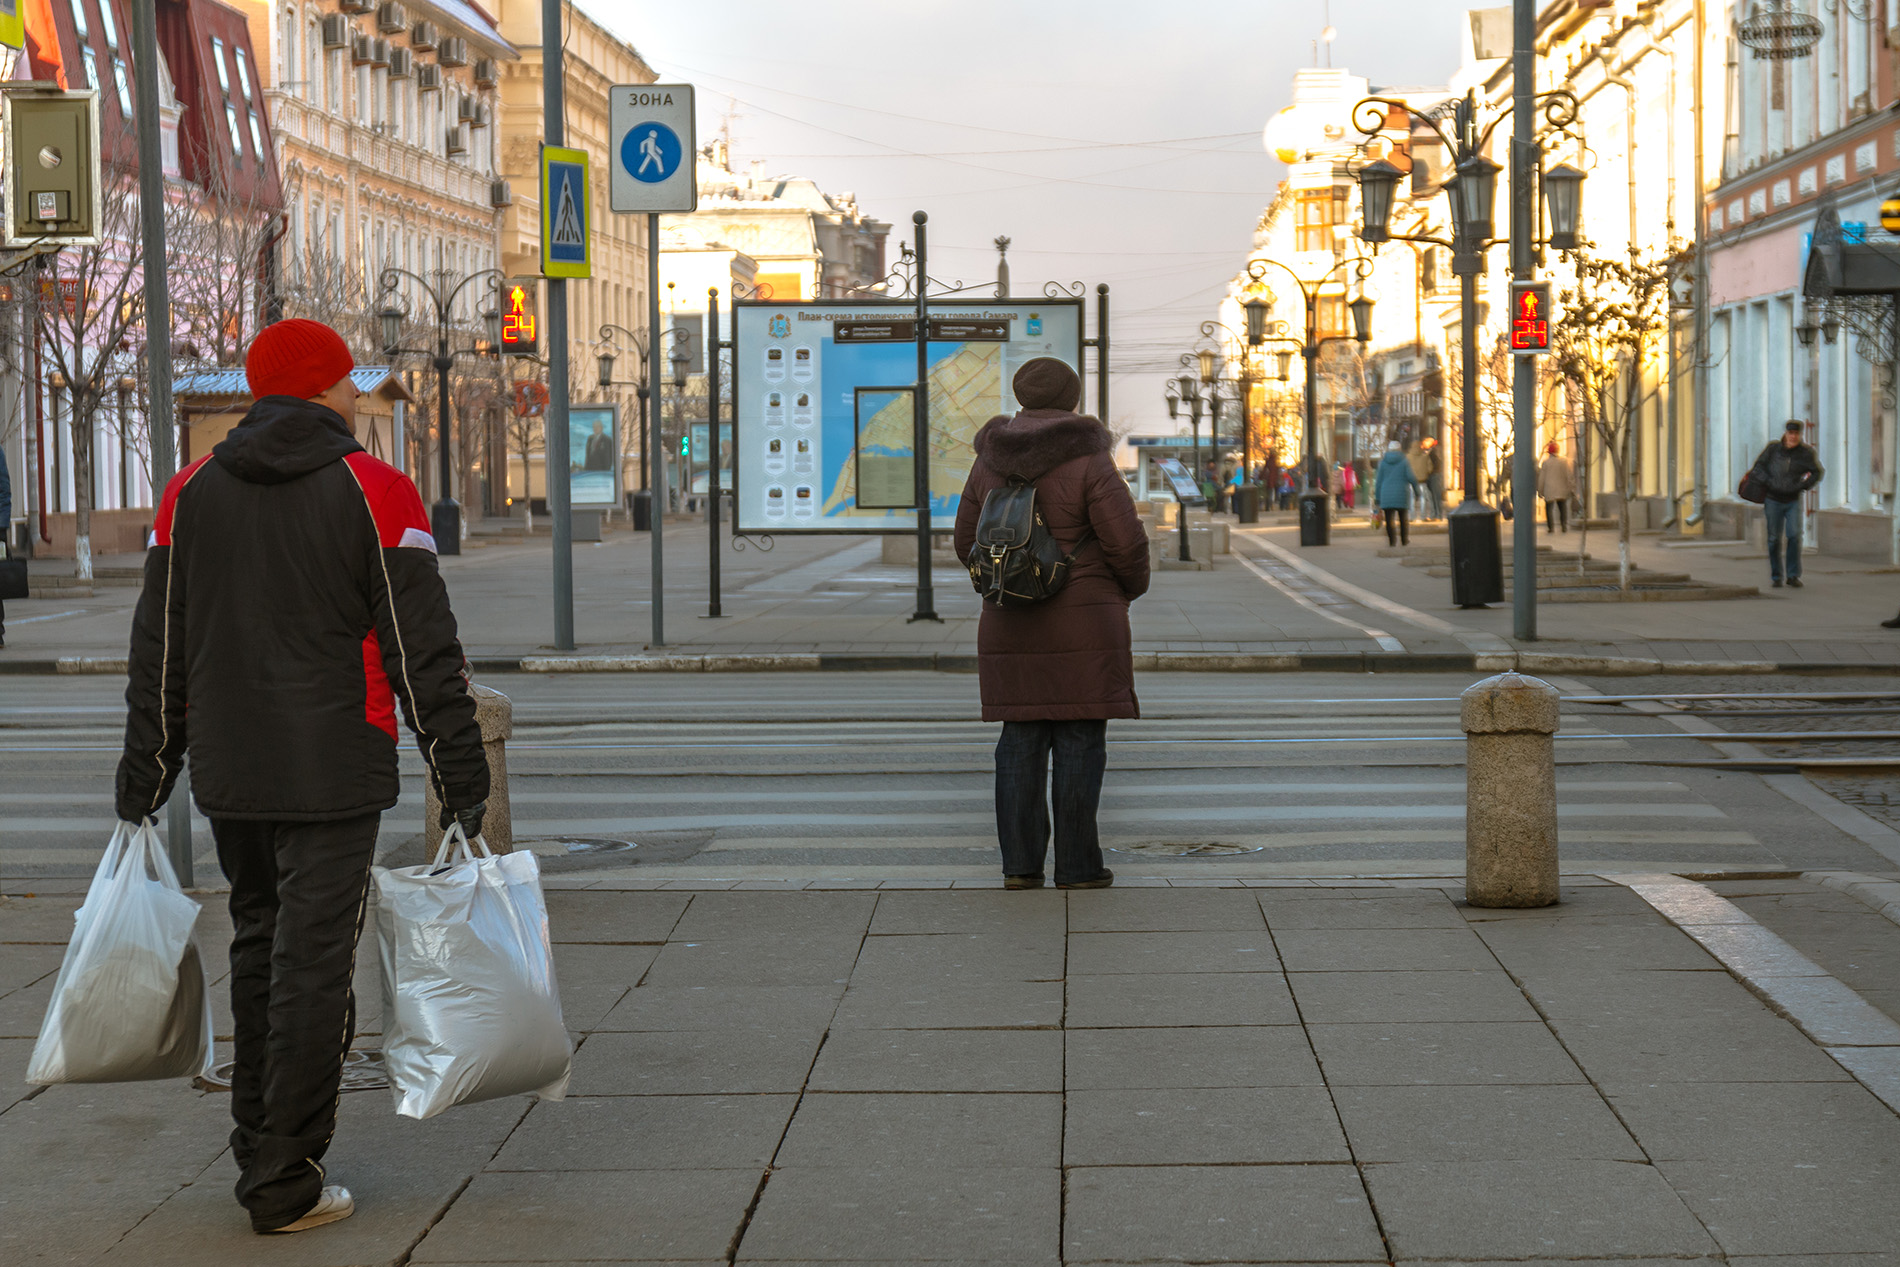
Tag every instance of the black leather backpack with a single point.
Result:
(1016, 562)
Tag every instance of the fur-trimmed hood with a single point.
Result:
(1037, 441)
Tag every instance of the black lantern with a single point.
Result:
(682, 361)
(1174, 405)
(1256, 310)
(606, 360)
(1187, 386)
(1206, 357)
(1286, 365)
(391, 319)
(1830, 327)
(1474, 194)
(1378, 181)
(1563, 192)
(491, 321)
(1361, 319)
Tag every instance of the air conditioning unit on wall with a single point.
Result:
(428, 78)
(357, 6)
(457, 142)
(361, 51)
(401, 63)
(425, 36)
(336, 31)
(391, 18)
(452, 51)
(487, 75)
(500, 194)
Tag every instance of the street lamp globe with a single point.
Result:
(1256, 310)
(1563, 197)
(1174, 405)
(682, 361)
(1286, 365)
(1361, 309)
(1206, 357)
(1187, 386)
(1378, 181)
(491, 323)
(390, 317)
(606, 363)
(1474, 194)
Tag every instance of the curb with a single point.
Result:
(1146, 661)
(1883, 896)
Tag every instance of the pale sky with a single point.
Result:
(1115, 141)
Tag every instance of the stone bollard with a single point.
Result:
(1510, 791)
(496, 716)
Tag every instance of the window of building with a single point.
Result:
(124, 86)
(79, 18)
(244, 72)
(1316, 211)
(92, 65)
(217, 58)
(237, 132)
(109, 25)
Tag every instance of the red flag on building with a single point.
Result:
(42, 41)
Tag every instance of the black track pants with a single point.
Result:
(297, 897)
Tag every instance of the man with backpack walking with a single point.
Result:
(291, 603)
(1049, 532)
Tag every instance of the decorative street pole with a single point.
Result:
(445, 518)
(920, 435)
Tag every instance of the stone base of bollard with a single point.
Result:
(1510, 791)
(496, 716)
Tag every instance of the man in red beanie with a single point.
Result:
(291, 602)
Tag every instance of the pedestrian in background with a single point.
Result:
(1420, 460)
(1788, 467)
(1392, 491)
(291, 603)
(1556, 484)
(1054, 673)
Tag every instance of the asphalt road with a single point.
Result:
(856, 775)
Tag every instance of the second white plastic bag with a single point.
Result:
(471, 1008)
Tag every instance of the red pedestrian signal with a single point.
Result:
(1530, 318)
(520, 319)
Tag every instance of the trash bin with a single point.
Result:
(1315, 518)
(1247, 503)
(640, 503)
(1477, 557)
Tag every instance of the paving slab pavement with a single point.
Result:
(1339, 1072)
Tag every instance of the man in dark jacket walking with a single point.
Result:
(1789, 468)
(291, 602)
(1055, 672)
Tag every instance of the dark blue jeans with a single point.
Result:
(1784, 521)
(1080, 751)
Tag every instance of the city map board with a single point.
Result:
(795, 389)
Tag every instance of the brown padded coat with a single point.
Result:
(1069, 658)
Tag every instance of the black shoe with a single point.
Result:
(1022, 881)
(1776, 583)
(1891, 624)
(1794, 582)
(1101, 881)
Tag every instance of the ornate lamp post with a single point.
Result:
(1477, 564)
(445, 517)
(1315, 508)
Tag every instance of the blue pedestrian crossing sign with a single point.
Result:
(566, 243)
(652, 150)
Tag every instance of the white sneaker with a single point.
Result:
(333, 1205)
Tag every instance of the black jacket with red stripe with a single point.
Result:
(291, 600)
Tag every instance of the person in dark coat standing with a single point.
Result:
(1789, 467)
(1054, 673)
(1392, 491)
(291, 604)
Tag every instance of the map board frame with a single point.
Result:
(834, 402)
(580, 421)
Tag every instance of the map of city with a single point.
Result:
(966, 391)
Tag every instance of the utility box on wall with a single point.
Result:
(52, 167)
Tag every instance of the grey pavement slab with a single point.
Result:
(656, 1007)
(623, 1215)
(694, 1062)
(1442, 1054)
(1527, 947)
(615, 918)
(861, 1213)
(1642, 995)
(1109, 953)
(1382, 950)
(649, 1132)
(1180, 999)
(716, 916)
(971, 911)
(1208, 1126)
(961, 958)
(1501, 1123)
(1234, 1214)
(803, 958)
(592, 978)
(1246, 1056)
(1555, 1209)
(1771, 1205)
(1702, 1048)
(1163, 910)
(952, 1131)
(940, 1060)
(962, 1004)
(1347, 997)
(1799, 1123)
(1286, 914)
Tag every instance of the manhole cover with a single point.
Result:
(1187, 848)
(362, 1071)
(573, 846)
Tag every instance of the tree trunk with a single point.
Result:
(80, 426)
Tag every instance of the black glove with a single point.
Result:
(469, 816)
(134, 808)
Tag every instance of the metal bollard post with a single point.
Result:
(496, 716)
(1510, 791)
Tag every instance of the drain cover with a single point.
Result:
(573, 846)
(1187, 848)
(362, 1071)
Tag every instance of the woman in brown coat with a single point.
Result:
(1055, 672)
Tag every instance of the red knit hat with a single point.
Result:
(296, 358)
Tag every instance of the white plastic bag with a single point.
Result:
(129, 1002)
(471, 1011)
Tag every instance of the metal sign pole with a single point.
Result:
(1524, 372)
(1101, 354)
(158, 350)
(713, 345)
(556, 467)
(656, 512)
(920, 441)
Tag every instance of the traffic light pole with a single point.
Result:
(556, 468)
(1524, 153)
(713, 345)
(656, 509)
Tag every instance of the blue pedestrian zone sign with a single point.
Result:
(565, 240)
(651, 152)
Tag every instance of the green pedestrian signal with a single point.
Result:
(686, 446)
